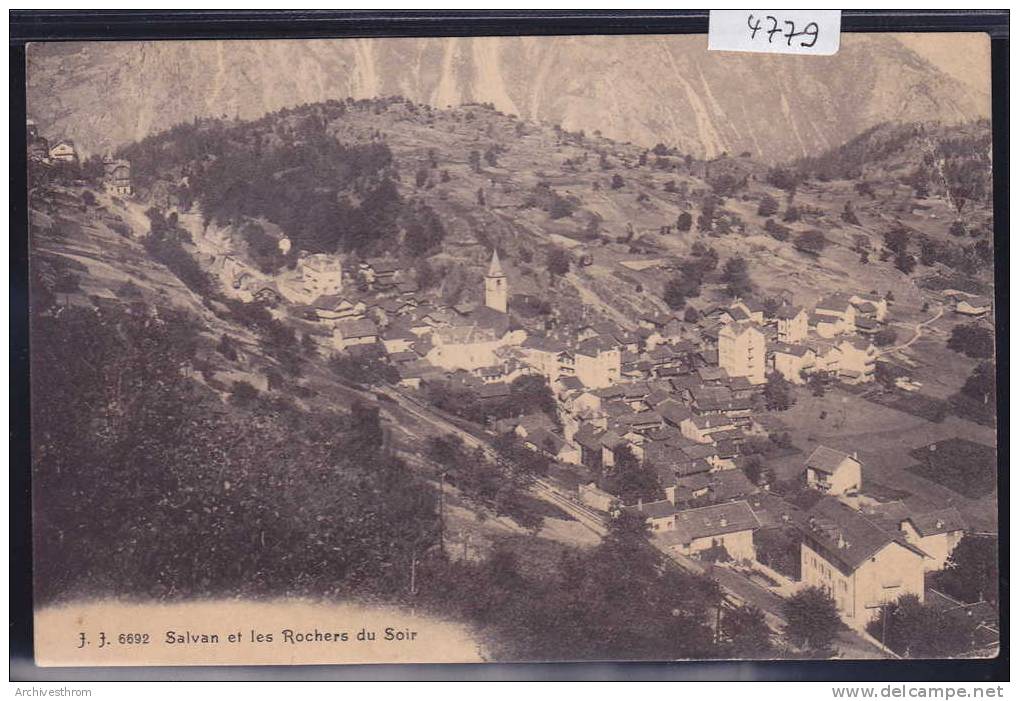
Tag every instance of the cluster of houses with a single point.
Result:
(116, 171)
(861, 551)
(679, 396)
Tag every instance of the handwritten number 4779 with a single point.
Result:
(809, 31)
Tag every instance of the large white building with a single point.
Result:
(859, 563)
(598, 362)
(321, 274)
(741, 352)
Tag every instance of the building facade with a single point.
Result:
(741, 352)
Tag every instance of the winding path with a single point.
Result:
(918, 331)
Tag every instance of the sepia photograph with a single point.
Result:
(585, 348)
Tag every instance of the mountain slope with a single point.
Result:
(643, 89)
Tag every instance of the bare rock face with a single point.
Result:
(642, 89)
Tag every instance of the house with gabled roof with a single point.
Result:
(791, 323)
(858, 561)
(659, 514)
(748, 309)
(700, 428)
(833, 472)
(588, 439)
(792, 360)
(834, 315)
(857, 361)
(64, 151)
(973, 306)
(935, 532)
(354, 332)
(871, 306)
(729, 525)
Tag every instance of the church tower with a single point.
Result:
(496, 290)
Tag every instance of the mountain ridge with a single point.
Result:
(641, 89)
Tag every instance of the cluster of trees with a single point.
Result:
(629, 479)
(779, 549)
(975, 400)
(812, 242)
(812, 622)
(619, 600)
(778, 393)
(692, 270)
(364, 365)
(973, 340)
(165, 243)
(913, 629)
(498, 485)
(971, 573)
(264, 250)
(277, 338)
(288, 169)
(545, 198)
(736, 276)
(527, 394)
(137, 463)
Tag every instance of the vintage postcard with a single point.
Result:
(511, 349)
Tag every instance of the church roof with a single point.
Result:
(494, 268)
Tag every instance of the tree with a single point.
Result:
(558, 262)
(244, 393)
(768, 206)
(958, 228)
(617, 181)
(675, 293)
(917, 630)
(971, 572)
(691, 315)
(784, 178)
(475, 161)
(629, 526)
(812, 242)
(897, 239)
(818, 383)
(491, 157)
(981, 384)
(849, 215)
(227, 348)
(885, 337)
(905, 262)
(792, 214)
(776, 230)
(778, 393)
(736, 276)
(812, 621)
(973, 340)
(684, 221)
(745, 634)
(424, 230)
(630, 480)
(967, 181)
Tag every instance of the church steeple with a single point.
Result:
(494, 268)
(496, 289)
